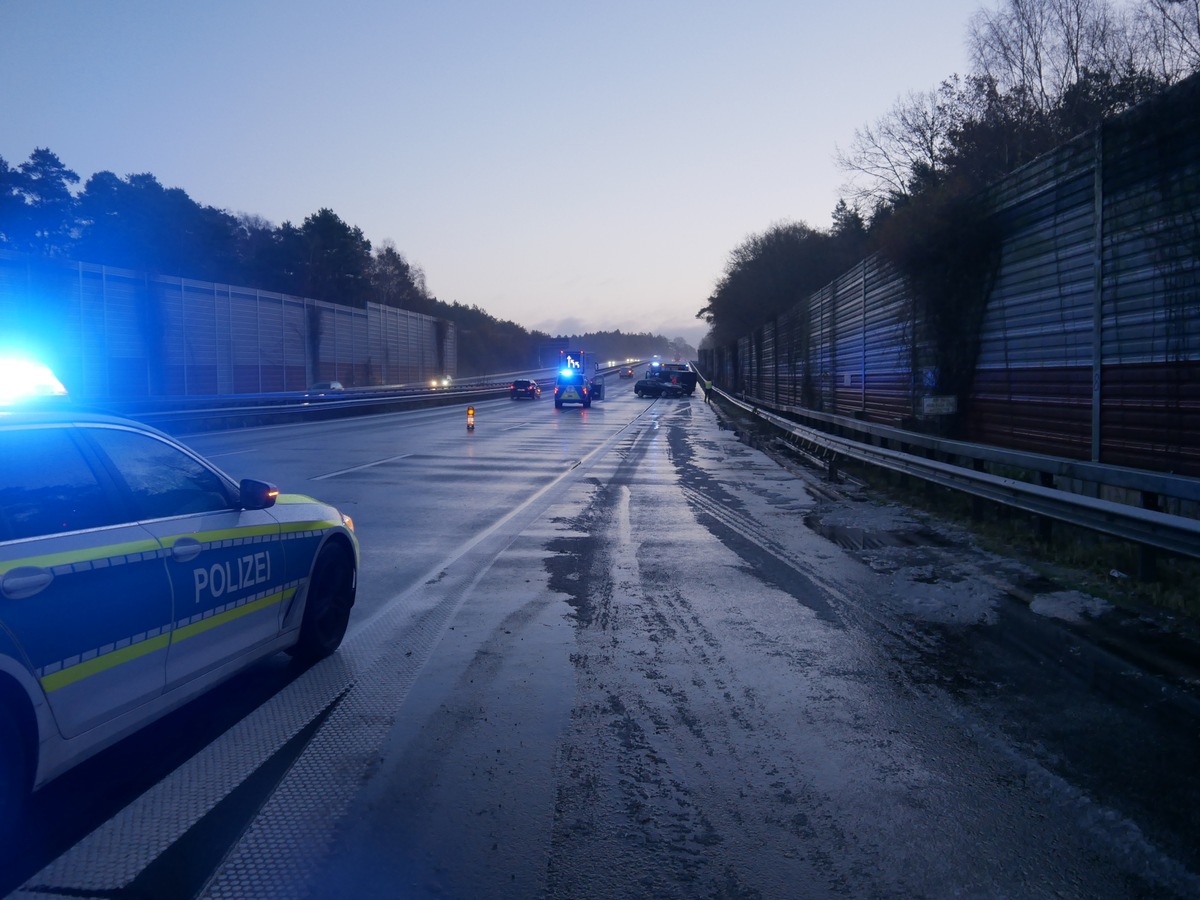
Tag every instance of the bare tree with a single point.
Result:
(1170, 30)
(1042, 47)
(903, 147)
(1007, 45)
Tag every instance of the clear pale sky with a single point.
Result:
(566, 165)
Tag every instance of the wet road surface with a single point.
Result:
(620, 653)
(700, 696)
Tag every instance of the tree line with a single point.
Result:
(1043, 72)
(134, 222)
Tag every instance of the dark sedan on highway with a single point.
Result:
(655, 387)
(523, 387)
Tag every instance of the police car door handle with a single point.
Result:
(25, 581)
(186, 549)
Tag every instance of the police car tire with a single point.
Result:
(14, 774)
(327, 609)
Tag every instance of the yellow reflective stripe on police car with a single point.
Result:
(316, 525)
(288, 529)
(296, 498)
(70, 674)
(74, 669)
(224, 534)
(89, 555)
(101, 661)
(183, 632)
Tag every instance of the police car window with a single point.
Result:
(47, 487)
(162, 479)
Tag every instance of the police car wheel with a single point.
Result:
(327, 609)
(14, 774)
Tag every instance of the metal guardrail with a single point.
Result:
(230, 411)
(1141, 480)
(203, 413)
(1148, 527)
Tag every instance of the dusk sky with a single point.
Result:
(569, 166)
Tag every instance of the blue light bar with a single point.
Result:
(22, 379)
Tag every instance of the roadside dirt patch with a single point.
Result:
(936, 543)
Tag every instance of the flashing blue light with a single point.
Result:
(22, 379)
(567, 373)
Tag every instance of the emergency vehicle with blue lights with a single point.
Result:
(135, 575)
(572, 384)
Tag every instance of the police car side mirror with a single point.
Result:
(257, 494)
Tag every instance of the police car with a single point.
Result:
(134, 575)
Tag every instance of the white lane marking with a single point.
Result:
(378, 462)
(122, 847)
(230, 453)
(421, 583)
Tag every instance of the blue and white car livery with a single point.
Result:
(134, 575)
